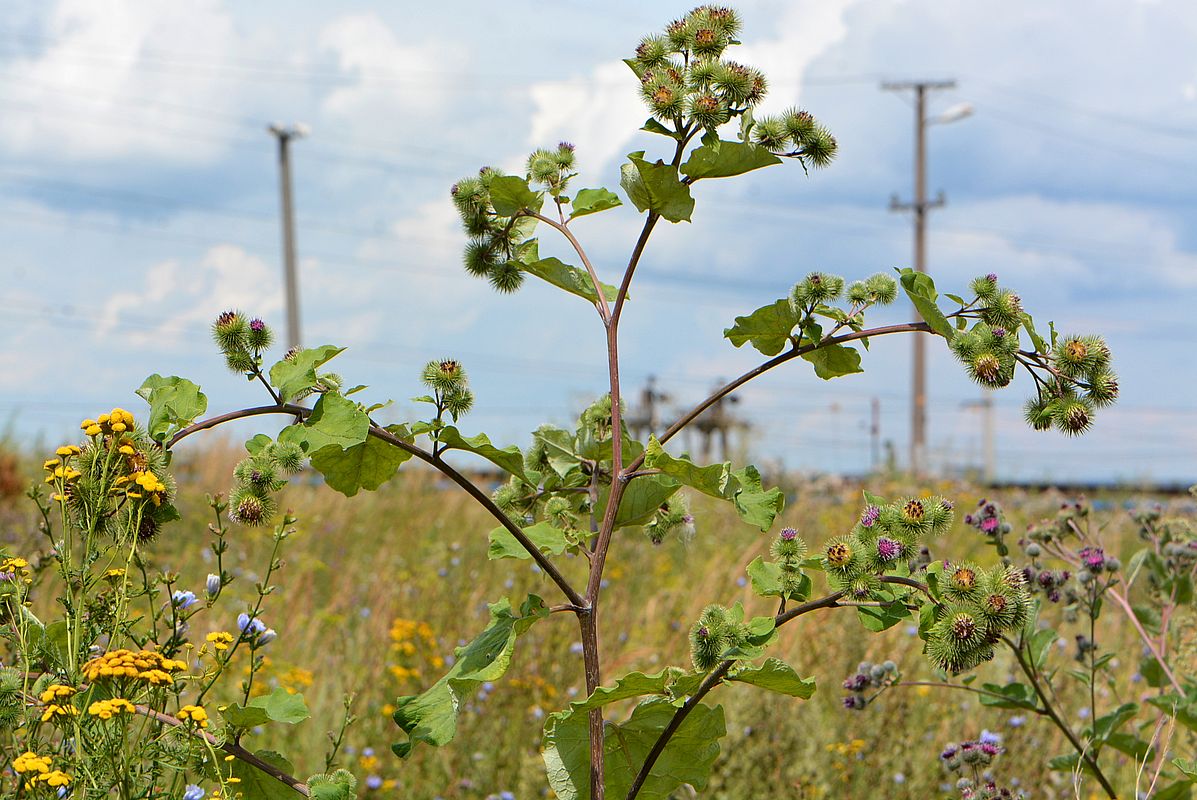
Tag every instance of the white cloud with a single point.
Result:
(191, 295)
(78, 98)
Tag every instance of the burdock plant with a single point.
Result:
(583, 491)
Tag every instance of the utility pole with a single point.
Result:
(875, 434)
(284, 134)
(920, 205)
(989, 450)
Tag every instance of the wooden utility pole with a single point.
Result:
(285, 134)
(919, 205)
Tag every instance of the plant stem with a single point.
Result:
(710, 682)
(692, 414)
(300, 412)
(230, 748)
(563, 228)
(1030, 671)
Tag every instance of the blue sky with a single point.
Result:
(139, 199)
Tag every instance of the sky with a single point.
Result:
(139, 198)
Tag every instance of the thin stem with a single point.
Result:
(562, 227)
(710, 682)
(230, 748)
(963, 688)
(1051, 712)
(795, 352)
(300, 412)
(622, 295)
(1125, 605)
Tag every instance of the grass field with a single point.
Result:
(377, 590)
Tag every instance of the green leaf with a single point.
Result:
(1039, 645)
(1016, 695)
(1177, 707)
(724, 159)
(548, 540)
(563, 276)
(363, 466)
(921, 290)
(1129, 744)
(652, 126)
(1036, 339)
(257, 784)
(768, 328)
(777, 676)
(638, 684)
(1180, 790)
(335, 422)
(641, 499)
(883, 617)
(656, 187)
(174, 404)
(686, 759)
(742, 487)
(592, 201)
(257, 444)
(559, 447)
(278, 706)
(1109, 723)
(509, 459)
(1189, 768)
(297, 374)
(765, 577)
(833, 361)
(510, 195)
(431, 717)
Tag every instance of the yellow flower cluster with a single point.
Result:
(30, 762)
(14, 568)
(39, 767)
(56, 691)
(107, 709)
(142, 483)
(54, 710)
(195, 714)
(142, 665)
(118, 421)
(412, 641)
(220, 639)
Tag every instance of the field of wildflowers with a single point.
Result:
(359, 618)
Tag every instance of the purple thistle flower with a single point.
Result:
(870, 516)
(1093, 557)
(789, 534)
(257, 325)
(989, 524)
(991, 277)
(888, 549)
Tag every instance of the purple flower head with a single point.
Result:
(249, 627)
(257, 325)
(949, 752)
(183, 599)
(869, 517)
(888, 549)
(788, 534)
(991, 277)
(999, 332)
(989, 737)
(1093, 557)
(990, 750)
(989, 524)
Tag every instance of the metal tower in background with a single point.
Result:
(284, 134)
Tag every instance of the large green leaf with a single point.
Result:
(834, 360)
(563, 276)
(776, 676)
(920, 288)
(592, 201)
(687, 759)
(1179, 708)
(335, 422)
(510, 194)
(742, 487)
(768, 328)
(297, 373)
(363, 466)
(174, 404)
(431, 717)
(655, 186)
(509, 459)
(672, 683)
(641, 498)
(278, 706)
(722, 159)
(257, 784)
(546, 538)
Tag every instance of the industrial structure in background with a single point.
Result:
(284, 134)
(920, 205)
(720, 434)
